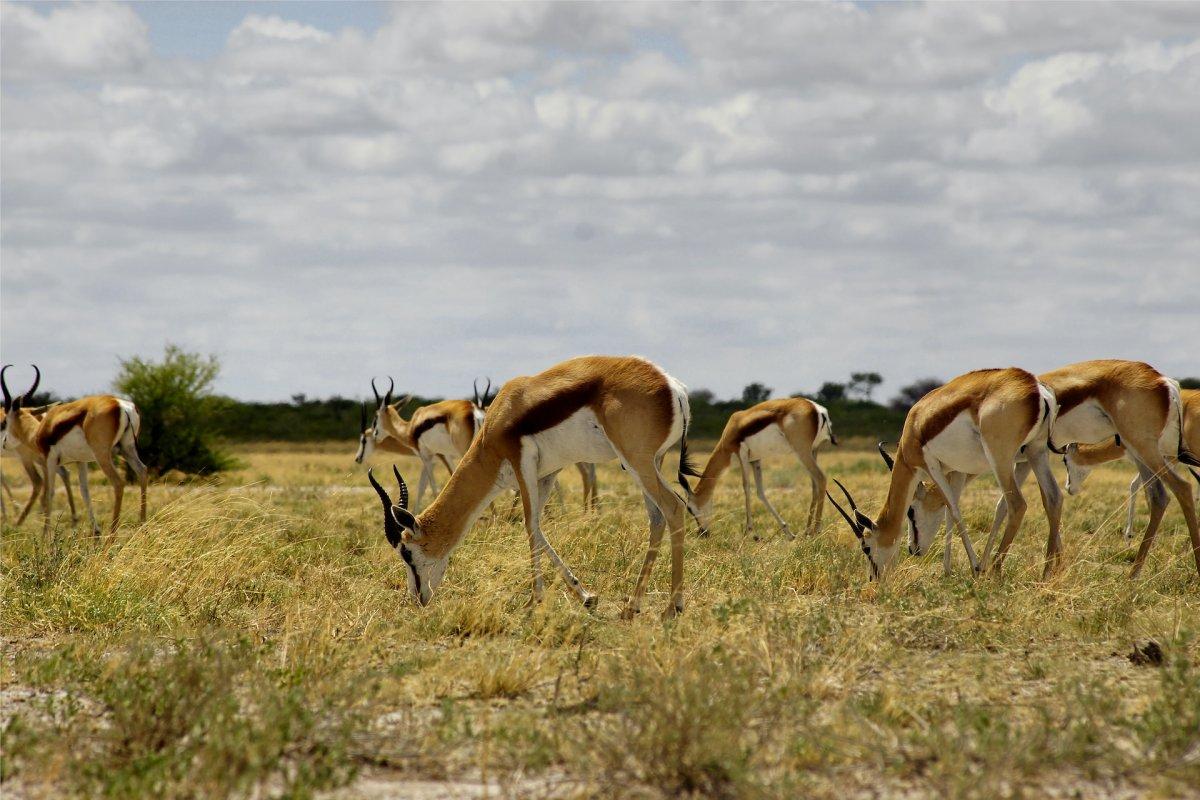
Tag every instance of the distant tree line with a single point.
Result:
(184, 422)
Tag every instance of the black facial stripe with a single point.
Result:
(406, 554)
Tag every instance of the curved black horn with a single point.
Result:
(403, 487)
(487, 392)
(4, 386)
(853, 525)
(845, 491)
(383, 496)
(376, 391)
(387, 400)
(887, 459)
(37, 379)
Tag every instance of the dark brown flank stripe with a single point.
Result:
(60, 427)
(424, 425)
(756, 425)
(1072, 396)
(556, 408)
(934, 424)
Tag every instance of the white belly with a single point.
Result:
(577, 438)
(770, 441)
(74, 447)
(1086, 423)
(436, 442)
(958, 447)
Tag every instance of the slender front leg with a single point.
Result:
(423, 481)
(86, 494)
(534, 492)
(66, 479)
(51, 469)
(749, 528)
(35, 490)
(762, 495)
(939, 478)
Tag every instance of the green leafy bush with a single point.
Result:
(174, 398)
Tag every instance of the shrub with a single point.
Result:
(174, 398)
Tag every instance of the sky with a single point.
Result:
(322, 192)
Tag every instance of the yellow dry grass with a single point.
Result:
(788, 675)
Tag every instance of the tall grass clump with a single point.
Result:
(175, 400)
(186, 719)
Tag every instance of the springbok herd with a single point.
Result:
(586, 410)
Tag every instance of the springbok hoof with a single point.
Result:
(590, 602)
(673, 610)
(629, 612)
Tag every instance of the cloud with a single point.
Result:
(743, 192)
(88, 39)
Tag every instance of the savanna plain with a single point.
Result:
(255, 638)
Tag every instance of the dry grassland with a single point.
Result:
(255, 638)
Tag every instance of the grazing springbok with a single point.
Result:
(79, 432)
(1099, 401)
(979, 422)
(1080, 459)
(28, 456)
(442, 430)
(589, 409)
(793, 426)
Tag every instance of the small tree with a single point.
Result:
(862, 384)
(909, 395)
(175, 401)
(701, 396)
(831, 392)
(1189, 383)
(756, 393)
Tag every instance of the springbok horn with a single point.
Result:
(845, 491)
(387, 400)
(487, 390)
(403, 487)
(887, 459)
(4, 386)
(37, 378)
(383, 496)
(853, 525)
(376, 391)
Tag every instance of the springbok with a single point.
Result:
(793, 426)
(1101, 400)
(1080, 459)
(978, 422)
(81, 431)
(590, 409)
(442, 430)
(28, 456)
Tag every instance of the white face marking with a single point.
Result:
(366, 444)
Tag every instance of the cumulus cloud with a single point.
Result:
(742, 191)
(89, 39)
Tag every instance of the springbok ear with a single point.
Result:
(921, 491)
(404, 518)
